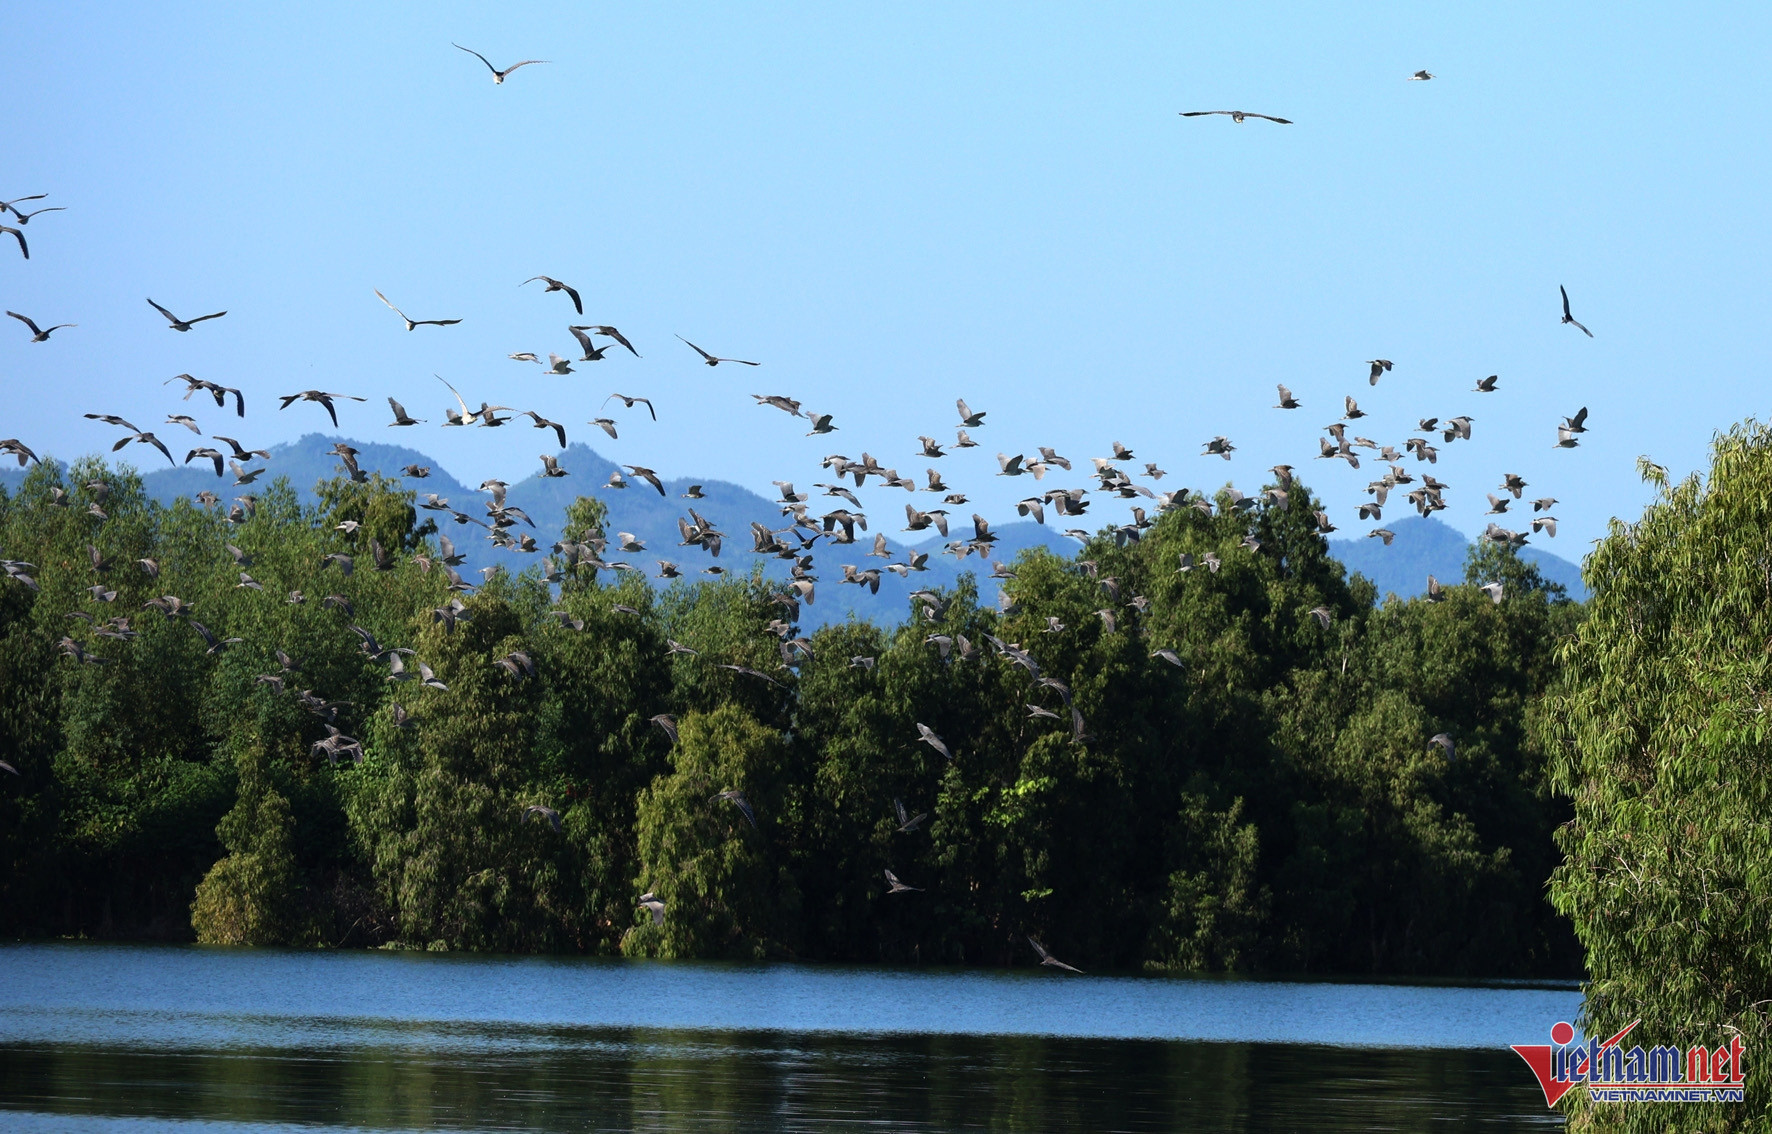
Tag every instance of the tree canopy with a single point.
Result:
(1194, 745)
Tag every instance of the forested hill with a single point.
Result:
(1199, 749)
(1422, 547)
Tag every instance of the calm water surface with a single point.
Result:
(139, 1038)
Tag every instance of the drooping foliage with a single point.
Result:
(1192, 745)
(1657, 726)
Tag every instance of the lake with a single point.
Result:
(161, 1038)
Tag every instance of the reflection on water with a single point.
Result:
(97, 1039)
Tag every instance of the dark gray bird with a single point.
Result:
(319, 396)
(401, 417)
(609, 333)
(12, 205)
(39, 334)
(907, 823)
(1420, 77)
(647, 475)
(1048, 959)
(554, 284)
(216, 645)
(1287, 401)
(548, 813)
(628, 403)
(146, 439)
(593, 352)
(183, 324)
(667, 722)
(1578, 423)
(713, 360)
(1568, 318)
(498, 77)
(218, 392)
(737, 799)
(25, 218)
(899, 887)
(337, 744)
(1235, 116)
(929, 736)
(412, 323)
(543, 423)
(1487, 385)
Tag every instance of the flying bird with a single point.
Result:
(929, 736)
(181, 324)
(410, 323)
(1568, 318)
(320, 396)
(1287, 401)
(1048, 959)
(498, 77)
(592, 352)
(899, 887)
(401, 417)
(713, 360)
(610, 333)
(737, 799)
(39, 334)
(628, 403)
(653, 905)
(552, 283)
(1236, 115)
(1379, 367)
(1420, 77)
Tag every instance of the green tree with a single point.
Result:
(253, 895)
(721, 876)
(1658, 728)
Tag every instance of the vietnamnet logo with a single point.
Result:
(1612, 1074)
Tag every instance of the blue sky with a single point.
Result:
(894, 207)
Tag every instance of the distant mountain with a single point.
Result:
(1422, 546)
(1425, 546)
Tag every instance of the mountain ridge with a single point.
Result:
(1422, 546)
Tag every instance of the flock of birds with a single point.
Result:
(804, 526)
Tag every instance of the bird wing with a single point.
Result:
(170, 317)
(201, 318)
(465, 411)
(572, 291)
(697, 349)
(525, 63)
(377, 291)
(150, 439)
(1565, 292)
(611, 332)
(20, 237)
(27, 322)
(476, 55)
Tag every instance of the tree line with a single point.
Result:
(1264, 795)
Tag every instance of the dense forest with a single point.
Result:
(1197, 746)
